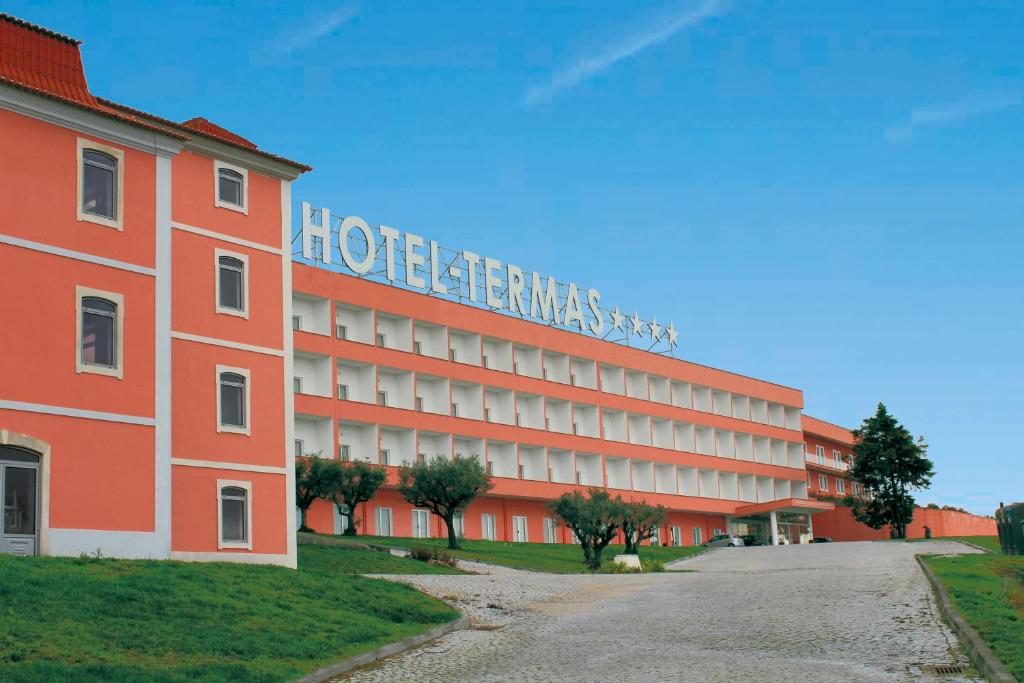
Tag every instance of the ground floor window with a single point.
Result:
(550, 530)
(520, 532)
(19, 488)
(488, 527)
(656, 536)
(698, 535)
(676, 535)
(840, 486)
(340, 519)
(235, 514)
(420, 524)
(823, 482)
(383, 521)
(459, 522)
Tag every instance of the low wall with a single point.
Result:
(840, 525)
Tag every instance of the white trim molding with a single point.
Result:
(233, 466)
(243, 558)
(118, 301)
(289, 386)
(240, 170)
(246, 429)
(76, 255)
(117, 222)
(65, 411)
(238, 346)
(127, 545)
(226, 238)
(164, 377)
(247, 487)
(242, 312)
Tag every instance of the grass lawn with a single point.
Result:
(560, 558)
(345, 558)
(126, 620)
(988, 590)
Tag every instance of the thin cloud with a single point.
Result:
(314, 29)
(589, 66)
(931, 117)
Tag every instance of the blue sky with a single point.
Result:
(826, 195)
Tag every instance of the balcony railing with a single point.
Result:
(829, 462)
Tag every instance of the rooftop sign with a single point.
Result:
(404, 259)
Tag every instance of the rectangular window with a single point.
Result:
(100, 326)
(837, 458)
(823, 482)
(385, 456)
(382, 398)
(455, 409)
(100, 184)
(417, 348)
(340, 331)
(234, 514)
(231, 187)
(346, 452)
(420, 524)
(820, 452)
(840, 485)
(232, 400)
(232, 282)
(452, 355)
(677, 536)
(550, 530)
(716, 532)
(297, 385)
(519, 529)
(419, 403)
(485, 362)
(343, 392)
(297, 323)
(698, 535)
(488, 527)
(459, 522)
(381, 339)
(299, 448)
(383, 521)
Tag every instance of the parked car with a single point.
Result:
(750, 539)
(821, 539)
(724, 541)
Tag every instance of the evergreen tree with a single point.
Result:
(445, 487)
(890, 464)
(640, 522)
(315, 477)
(357, 483)
(594, 519)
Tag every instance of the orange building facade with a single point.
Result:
(144, 264)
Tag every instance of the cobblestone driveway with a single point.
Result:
(838, 612)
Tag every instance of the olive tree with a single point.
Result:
(445, 487)
(357, 482)
(640, 522)
(594, 518)
(315, 477)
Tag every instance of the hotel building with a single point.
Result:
(171, 351)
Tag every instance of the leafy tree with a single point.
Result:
(358, 482)
(445, 487)
(640, 522)
(890, 464)
(315, 477)
(594, 518)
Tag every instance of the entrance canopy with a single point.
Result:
(805, 506)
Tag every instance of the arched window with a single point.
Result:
(234, 515)
(230, 187)
(99, 184)
(233, 400)
(99, 332)
(231, 283)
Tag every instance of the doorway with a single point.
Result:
(19, 485)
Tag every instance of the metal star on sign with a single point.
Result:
(655, 328)
(673, 334)
(617, 319)
(637, 324)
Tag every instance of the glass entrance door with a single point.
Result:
(19, 483)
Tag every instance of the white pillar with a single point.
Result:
(774, 522)
(810, 525)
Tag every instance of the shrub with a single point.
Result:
(432, 556)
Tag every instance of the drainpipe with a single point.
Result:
(773, 521)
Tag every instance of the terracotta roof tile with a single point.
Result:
(213, 130)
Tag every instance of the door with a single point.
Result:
(420, 524)
(519, 533)
(550, 530)
(19, 484)
(677, 536)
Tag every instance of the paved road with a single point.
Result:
(838, 612)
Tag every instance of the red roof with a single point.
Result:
(47, 63)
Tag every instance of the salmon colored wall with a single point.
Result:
(38, 362)
(194, 424)
(39, 201)
(101, 473)
(193, 202)
(194, 302)
(839, 525)
(194, 518)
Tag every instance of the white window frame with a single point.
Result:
(378, 512)
(820, 452)
(244, 208)
(459, 522)
(118, 222)
(840, 485)
(550, 530)
(239, 545)
(425, 513)
(526, 528)
(116, 299)
(837, 457)
(244, 311)
(488, 532)
(697, 535)
(300, 447)
(823, 482)
(231, 429)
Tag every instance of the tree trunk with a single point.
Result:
(453, 539)
(350, 528)
(595, 558)
(588, 551)
(631, 543)
(302, 519)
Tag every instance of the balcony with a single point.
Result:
(829, 462)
